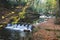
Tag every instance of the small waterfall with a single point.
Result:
(19, 27)
(15, 31)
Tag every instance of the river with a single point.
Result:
(13, 34)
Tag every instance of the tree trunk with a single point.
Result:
(57, 21)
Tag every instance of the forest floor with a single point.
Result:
(47, 31)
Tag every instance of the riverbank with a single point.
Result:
(47, 31)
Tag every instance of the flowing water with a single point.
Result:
(15, 33)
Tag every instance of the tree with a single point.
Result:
(19, 13)
(58, 13)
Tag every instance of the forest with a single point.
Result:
(30, 19)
